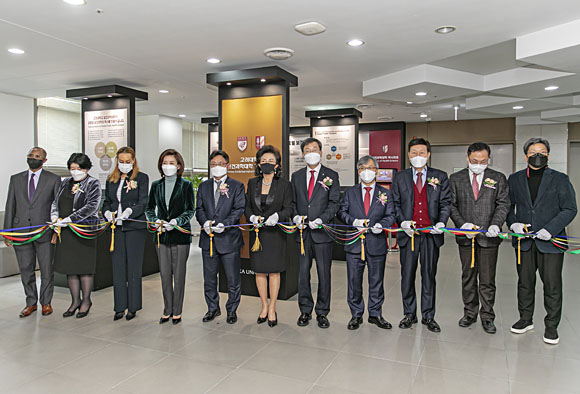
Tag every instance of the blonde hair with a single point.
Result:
(116, 174)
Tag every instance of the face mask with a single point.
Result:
(78, 175)
(418, 161)
(477, 168)
(538, 160)
(312, 158)
(169, 169)
(367, 176)
(218, 171)
(267, 168)
(125, 168)
(33, 164)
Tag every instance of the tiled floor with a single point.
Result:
(96, 355)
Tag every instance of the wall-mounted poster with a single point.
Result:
(338, 144)
(385, 146)
(296, 159)
(105, 133)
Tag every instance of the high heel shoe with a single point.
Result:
(176, 320)
(80, 314)
(262, 319)
(273, 323)
(70, 313)
(164, 320)
(118, 316)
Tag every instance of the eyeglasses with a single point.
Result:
(373, 168)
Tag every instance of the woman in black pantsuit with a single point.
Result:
(268, 200)
(126, 194)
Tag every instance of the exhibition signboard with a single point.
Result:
(338, 150)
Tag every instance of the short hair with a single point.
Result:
(268, 149)
(478, 146)
(308, 141)
(365, 159)
(419, 141)
(536, 140)
(38, 148)
(219, 152)
(83, 161)
(178, 159)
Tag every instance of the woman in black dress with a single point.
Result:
(268, 200)
(77, 201)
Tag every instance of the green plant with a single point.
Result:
(195, 180)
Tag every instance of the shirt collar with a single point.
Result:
(423, 171)
(316, 170)
(223, 180)
(37, 173)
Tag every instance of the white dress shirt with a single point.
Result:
(364, 191)
(309, 174)
(36, 177)
(423, 176)
(119, 191)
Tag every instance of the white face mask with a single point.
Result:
(418, 161)
(312, 158)
(218, 171)
(78, 175)
(477, 168)
(125, 168)
(169, 169)
(367, 176)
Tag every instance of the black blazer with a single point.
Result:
(181, 207)
(352, 207)
(280, 199)
(324, 203)
(553, 209)
(438, 200)
(85, 203)
(229, 210)
(136, 199)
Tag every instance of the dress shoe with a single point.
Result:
(164, 320)
(46, 310)
(273, 323)
(431, 325)
(489, 327)
(80, 314)
(232, 318)
(131, 315)
(522, 326)
(70, 312)
(354, 323)
(322, 321)
(118, 315)
(304, 319)
(176, 320)
(380, 322)
(408, 321)
(551, 336)
(210, 315)
(28, 310)
(467, 321)
(262, 319)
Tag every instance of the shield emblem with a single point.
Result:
(385, 148)
(260, 140)
(242, 143)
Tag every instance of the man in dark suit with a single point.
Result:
(479, 199)
(30, 195)
(220, 202)
(367, 205)
(316, 201)
(422, 199)
(543, 203)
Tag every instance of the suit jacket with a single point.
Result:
(136, 199)
(491, 207)
(181, 208)
(324, 203)
(20, 212)
(85, 203)
(352, 207)
(279, 199)
(553, 209)
(229, 210)
(438, 200)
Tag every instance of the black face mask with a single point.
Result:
(538, 160)
(267, 168)
(33, 164)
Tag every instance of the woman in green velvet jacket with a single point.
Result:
(171, 205)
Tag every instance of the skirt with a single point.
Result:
(74, 255)
(271, 258)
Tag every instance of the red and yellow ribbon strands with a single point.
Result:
(113, 226)
(301, 239)
(362, 244)
(211, 235)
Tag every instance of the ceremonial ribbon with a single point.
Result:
(113, 225)
(413, 237)
(210, 240)
(301, 238)
(257, 245)
(362, 243)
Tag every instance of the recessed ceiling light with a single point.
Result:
(518, 107)
(445, 29)
(355, 43)
(423, 115)
(164, 91)
(263, 80)
(409, 102)
(182, 116)
(213, 60)
(229, 83)
(16, 51)
(318, 117)
(109, 95)
(85, 98)
(421, 94)
(75, 2)
(549, 88)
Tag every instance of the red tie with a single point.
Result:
(311, 184)
(419, 184)
(367, 201)
(475, 186)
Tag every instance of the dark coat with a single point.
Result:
(136, 199)
(85, 203)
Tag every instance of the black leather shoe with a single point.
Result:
(262, 319)
(408, 321)
(322, 321)
(431, 325)
(176, 321)
(164, 320)
(118, 316)
(304, 319)
(354, 323)
(69, 312)
(232, 318)
(467, 321)
(380, 322)
(131, 315)
(489, 327)
(273, 323)
(80, 314)
(210, 315)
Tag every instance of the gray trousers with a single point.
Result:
(27, 256)
(172, 268)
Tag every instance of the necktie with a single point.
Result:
(31, 188)
(475, 186)
(216, 195)
(419, 183)
(311, 184)
(367, 201)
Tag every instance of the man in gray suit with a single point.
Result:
(30, 196)
(479, 199)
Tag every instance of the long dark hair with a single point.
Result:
(268, 149)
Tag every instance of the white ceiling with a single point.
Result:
(151, 45)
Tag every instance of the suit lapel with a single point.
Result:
(358, 197)
(374, 199)
(430, 189)
(175, 192)
(272, 192)
(469, 186)
(544, 184)
(317, 185)
(409, 185)
(525, 188)
(222, 196)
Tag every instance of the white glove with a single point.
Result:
(206, 226)
(126, 214)
(518, 228)
(171, 225)
(272, 220)
(53, 219)
(544, 235)
(63, 222)
(298, 222)
(377, 228)
(218, 228)
(158, 223)
(109, 216)
(468, 226)
(315, 223)
(492, 231)
(406, 226)
(437, 228)
(256, 219)
(359, 224)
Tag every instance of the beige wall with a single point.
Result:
(574, 132)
